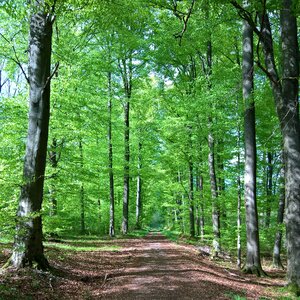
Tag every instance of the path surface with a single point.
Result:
(143, 268)
(159, 269)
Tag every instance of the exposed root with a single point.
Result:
(256, 270)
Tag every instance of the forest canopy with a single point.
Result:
(152, 114)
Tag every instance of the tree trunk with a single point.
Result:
(110, 162)
(288, 112)
(285, 93)
(253, 264)
(280, 214)
(126, 170)
(202, 231)
(82, 200)
(269, 188)
(54, 155)
(139, 190)
(211, 164)
(191, 199)
(214, 195)
(28, 247)
(125, 66)
(200, 207)
(239, 200)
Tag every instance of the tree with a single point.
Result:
(28, 246)
(253, 264)
(125, 67)
(110, 161)
(288, 112)
(280, 214)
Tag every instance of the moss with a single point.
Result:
(294, 289)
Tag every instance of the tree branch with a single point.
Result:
(53, 73)
(246, 15)
(183, 17)
(16, 59)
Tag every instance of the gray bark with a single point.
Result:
(82, 194)
(110, 162)
(191, 199)
(253, 264)
(139, 190)
(214, 195)
(54, 157)
(239, 201)
(285, 93)
(269, 188)
(280, 214)
(288, 112)
(212, 166)
(28, 247)
(125, 66)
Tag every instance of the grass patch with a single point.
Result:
(138, 233)
(6, 240)
(77, 248)
(236, 297)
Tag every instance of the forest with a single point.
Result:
(128, 125)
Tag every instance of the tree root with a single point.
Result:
(256, 270)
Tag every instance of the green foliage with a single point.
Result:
(173, 97)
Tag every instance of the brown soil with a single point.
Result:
(148, 268)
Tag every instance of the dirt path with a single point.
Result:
(146, 268)
(160, 269)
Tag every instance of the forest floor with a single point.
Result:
(151, 267)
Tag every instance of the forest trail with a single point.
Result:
(160, 269)
(151, 268)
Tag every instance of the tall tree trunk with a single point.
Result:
(28, 246)
(179, 202)
(288, 111)
(54, 157)
(191, 185)
(280, 214)
(191, 199)
(199, 207)
(125, 67)
(269, 188)
(239, 201)
(214, 195)
(212, 164)
(253, 264)
(110, 162)
(82, 200)
(202, 230)
(285, 93)
(126, 169)
(139, 190)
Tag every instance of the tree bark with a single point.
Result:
(54, 156)
(28, 247)
(285, 93)
(212, 164)
(82, 200)
(253, 264)
(239, 201)
(191, 199)
(288, 111)
(269, 188)
(199, 207)
(139, 190)
(280, 214)
(125, 66)
(214, 195)
(110, 162)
